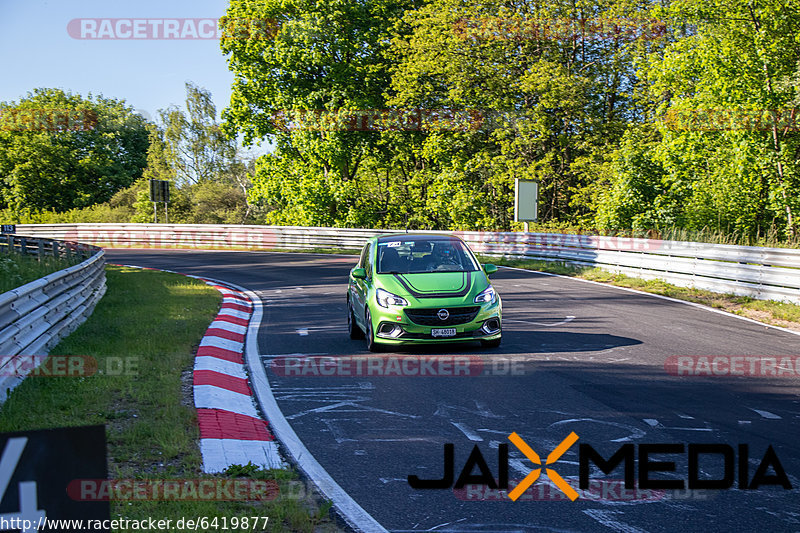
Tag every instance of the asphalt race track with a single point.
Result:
(576, 357)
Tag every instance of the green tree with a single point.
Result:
(159, 156)
(553, 98)
(325, 56)
(196, 148)
(731, 59)
(210, 177)
(60, 151)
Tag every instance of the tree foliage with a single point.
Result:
(51, 160)
(195, 146)
(711, 165)
(630, 115)
(325, 56)
(209, 178)
(580, 96)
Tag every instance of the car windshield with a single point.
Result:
(416, 255)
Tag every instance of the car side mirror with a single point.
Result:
(359, 273)
(489, 269)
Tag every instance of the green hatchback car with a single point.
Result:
(421, 288)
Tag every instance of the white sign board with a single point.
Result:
(526, 200)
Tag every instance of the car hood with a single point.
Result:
(435, 284)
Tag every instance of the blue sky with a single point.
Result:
(38, 51)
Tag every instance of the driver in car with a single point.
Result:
(443, 257)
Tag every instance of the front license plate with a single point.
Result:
(444, 332)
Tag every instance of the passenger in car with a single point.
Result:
(392, 262)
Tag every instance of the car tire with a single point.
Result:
(494, 343)
(352, 327)
(372, 346)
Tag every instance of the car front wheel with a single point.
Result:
(372, 346)
(494, 343)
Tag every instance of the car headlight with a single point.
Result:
(487, 296)
(386, 298)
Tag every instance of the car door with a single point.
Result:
(359, 288)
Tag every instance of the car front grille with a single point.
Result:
(429, 317)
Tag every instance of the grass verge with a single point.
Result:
(781, 314)
(143, 334)
(17, 270)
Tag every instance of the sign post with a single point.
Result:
(526, 201)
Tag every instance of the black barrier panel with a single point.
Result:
(37, 466)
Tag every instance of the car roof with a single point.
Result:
(391, 237)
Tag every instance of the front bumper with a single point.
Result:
(393, 325)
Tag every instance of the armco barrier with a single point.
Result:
(765, 273)
(36, 316)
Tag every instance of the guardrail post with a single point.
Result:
(57, 250)
(23, 246)
(41, 250)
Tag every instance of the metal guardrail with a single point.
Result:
(43, 247)
(37, 315)
(764, 273)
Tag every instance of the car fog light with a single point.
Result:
(389, 330)
(491, 326)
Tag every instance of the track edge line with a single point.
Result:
(352, 512)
